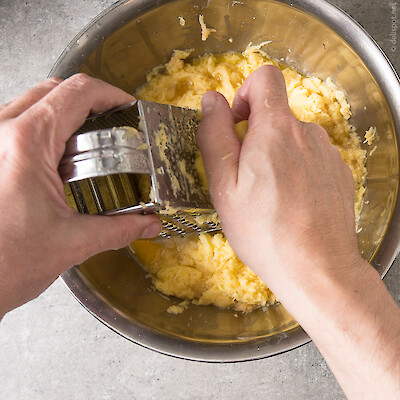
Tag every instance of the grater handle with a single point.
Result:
(105, 152)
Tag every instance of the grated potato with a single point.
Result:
(204, 269)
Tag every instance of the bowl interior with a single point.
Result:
(132, 38)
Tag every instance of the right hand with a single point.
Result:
(284, 196)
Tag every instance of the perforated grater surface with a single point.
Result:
(105, 157)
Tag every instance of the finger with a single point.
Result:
(18, 105)
(93, 233)
(219, 145)
(59, 114)
(262, 95)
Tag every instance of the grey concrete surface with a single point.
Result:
(52, 348)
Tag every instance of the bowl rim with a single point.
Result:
(380, 67)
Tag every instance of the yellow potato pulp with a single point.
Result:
(204, 268)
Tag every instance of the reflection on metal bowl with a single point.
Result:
(131, 37)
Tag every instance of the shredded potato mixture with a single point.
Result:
(204, 268)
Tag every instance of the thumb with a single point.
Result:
(94, 233)
(262, 98)
(219, 144)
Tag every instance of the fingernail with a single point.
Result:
(151, 231)
(208, 101)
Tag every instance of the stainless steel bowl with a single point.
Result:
(131, 37)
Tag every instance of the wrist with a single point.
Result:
(354, 322)
(350, 303)
(323, 286)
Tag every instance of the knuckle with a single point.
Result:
(46, 116)
(19, 130)
(17, 138)
(5, 105)
(316, 130)
(40, 90)
(48, 109)
(83, 251)
(122, 236)
(125, 237)
(322, 132)
(83, 246)
(51, 82)
(80, 82)
(280, 120)
(38, 125)
(17, 147)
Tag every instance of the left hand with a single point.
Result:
(40, 235)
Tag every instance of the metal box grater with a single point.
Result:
(111, 158)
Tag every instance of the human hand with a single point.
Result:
(285, 199)
(40, 236)
(284, 196)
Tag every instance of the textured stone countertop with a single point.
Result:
(52, 348)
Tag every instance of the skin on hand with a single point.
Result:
(285, 199)
(282, 187)
(40, 235)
